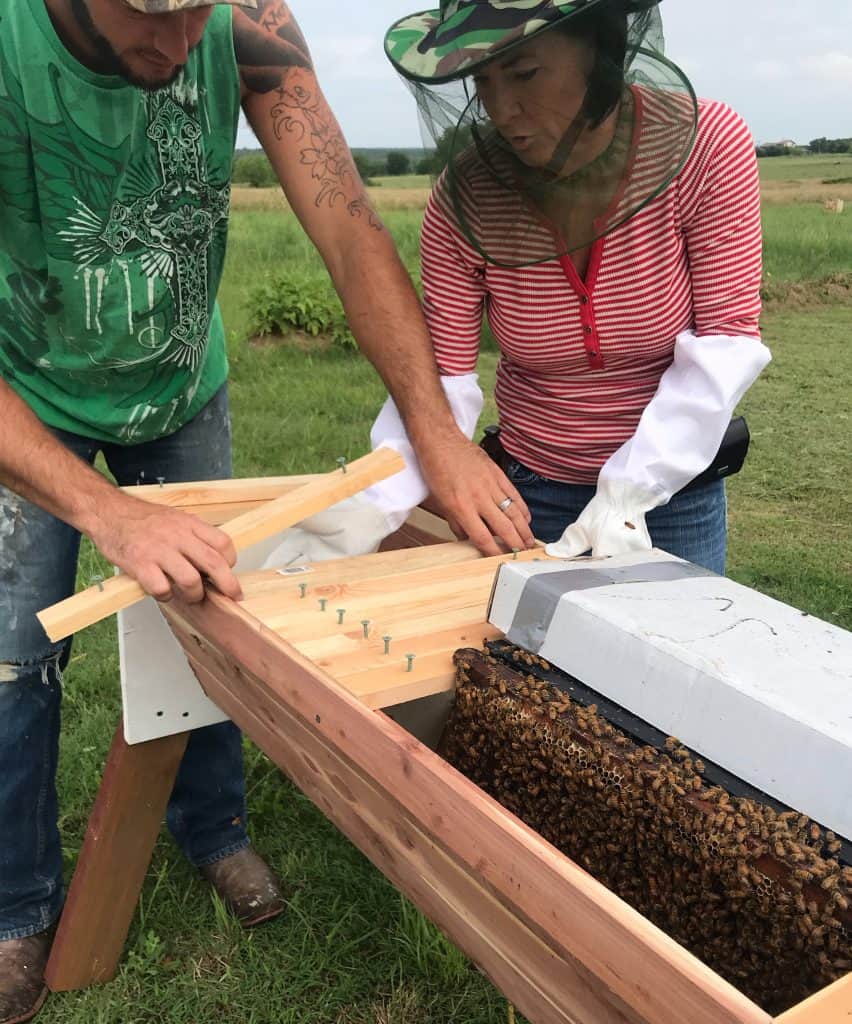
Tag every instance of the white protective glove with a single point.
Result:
(677, 438)
(359, 524)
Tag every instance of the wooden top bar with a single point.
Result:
(429, 601)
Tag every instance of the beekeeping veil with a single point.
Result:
(515, 214)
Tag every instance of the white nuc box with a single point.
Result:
(759, 688)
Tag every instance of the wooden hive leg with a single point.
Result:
(123, 828)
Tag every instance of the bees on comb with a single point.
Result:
(755, 892)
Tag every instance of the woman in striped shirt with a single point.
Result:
(608, 225)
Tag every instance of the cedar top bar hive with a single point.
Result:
(305, 688)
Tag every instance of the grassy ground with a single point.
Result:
(351, 950)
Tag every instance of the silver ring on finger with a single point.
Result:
(505, 504)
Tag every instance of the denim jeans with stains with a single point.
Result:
(38, 561)
(693, 525)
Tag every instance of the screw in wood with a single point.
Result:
(366, 624)
(99, 580)
(387, 641)
(340, 613)
(304, 588)
(342, 463)
(323, 601)
(410, 659)
(161, 480)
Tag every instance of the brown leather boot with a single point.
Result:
(247, 886)
(22, 987)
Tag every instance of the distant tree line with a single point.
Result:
(253, 167)
(814, 146)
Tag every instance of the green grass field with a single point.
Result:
(351, 950)
(822, 166)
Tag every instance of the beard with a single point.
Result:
(108, 61)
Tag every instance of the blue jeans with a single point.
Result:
(38, 562)
(692, 525)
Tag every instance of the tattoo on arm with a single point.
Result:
(270, 49)
(268, 44)
(299, 112)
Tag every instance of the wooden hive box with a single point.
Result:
(307, 689)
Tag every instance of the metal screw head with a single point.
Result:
(342, 463)
(161, 480)
(304, 588)
(410, 659)
(340, 613)
(366, 624)
(99, 580)
(387, 641)
(515, 553)
(323, 601)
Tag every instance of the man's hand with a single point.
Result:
(168, 552)
(468, 487)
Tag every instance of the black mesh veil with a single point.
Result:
(643, 106)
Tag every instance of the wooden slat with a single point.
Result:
(316, 496)
(219, 492)
(385, 563)
(383, 681)
(215, 515)
(305, 619)
(357, 656)
(421, 586)
(123, 828)
(96, 603)
(421, 528)
(217, 501)
(628, 962)
(831, 1006)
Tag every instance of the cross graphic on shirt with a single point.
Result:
(178, 218)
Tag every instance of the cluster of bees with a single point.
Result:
(757, 894)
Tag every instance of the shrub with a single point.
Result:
(283, 303)
(398, 163)
(366, 168)
(253, 169)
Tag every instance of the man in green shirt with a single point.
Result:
(118, 121)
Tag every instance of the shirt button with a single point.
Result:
(584, 299)
(588, 329)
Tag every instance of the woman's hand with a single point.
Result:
(468, 489)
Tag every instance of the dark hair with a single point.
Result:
(604, 27)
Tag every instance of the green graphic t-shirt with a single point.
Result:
(113, 223)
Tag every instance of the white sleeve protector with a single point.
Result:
(359, 524)
(678, 436)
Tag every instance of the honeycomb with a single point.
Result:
(760, 895)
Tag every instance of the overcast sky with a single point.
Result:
(785, 65)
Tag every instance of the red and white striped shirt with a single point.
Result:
(581, 358)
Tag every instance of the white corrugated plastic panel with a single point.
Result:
(160, 693)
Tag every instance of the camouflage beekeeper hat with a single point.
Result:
(168, 6)
(438, 46)
(516, 211)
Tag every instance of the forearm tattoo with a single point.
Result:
(268, 45)
(270, 51)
